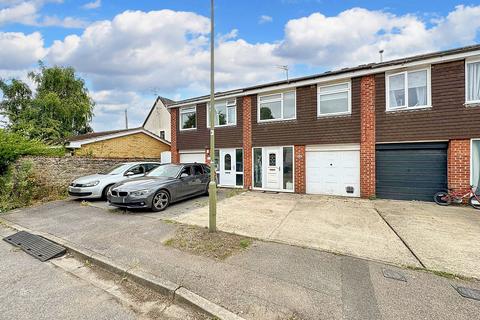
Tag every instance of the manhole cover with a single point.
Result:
(395, 275)
(37, 246)
(469, 293)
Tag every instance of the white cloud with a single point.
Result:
(92, 5)
(20, 50)
(164, 49)
(24, 12)
(28, 13)
(265, 19)
(355, 35)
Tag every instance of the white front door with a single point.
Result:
(227, 167)
(273, 163)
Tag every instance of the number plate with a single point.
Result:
(75, 190)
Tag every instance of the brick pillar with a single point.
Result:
(247, 141)
(299, 154)
(207, 156)
(173, 143)
(367, 142)
(458, 167)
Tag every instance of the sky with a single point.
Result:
(129, 52)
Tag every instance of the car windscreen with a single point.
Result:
(168, 171)
(118, 169)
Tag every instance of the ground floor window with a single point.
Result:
(475, 163)
(257, 167)
(288, 168)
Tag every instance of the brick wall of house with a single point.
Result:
(367, 136)
(459, 165)
(173, 143)
(247, 141)
(138, 145)
(299, 152)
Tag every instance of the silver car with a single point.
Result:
(97, 185)
(162, 186)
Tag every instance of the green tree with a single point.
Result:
(60, 106)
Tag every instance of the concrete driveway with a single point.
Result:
(414, 234)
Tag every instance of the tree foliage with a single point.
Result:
(59, 106)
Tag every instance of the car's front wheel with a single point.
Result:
(160, 200)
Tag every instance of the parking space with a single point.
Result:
(407, 233)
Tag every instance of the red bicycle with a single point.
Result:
(445, 198)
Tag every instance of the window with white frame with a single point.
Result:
(188, 118)
(334, 99)
(472, 82)
(225, 113)
(408, 89)
(278, 106)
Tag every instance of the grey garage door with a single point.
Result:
(410, 171)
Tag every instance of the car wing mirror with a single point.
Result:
(129, 174)
(184, 175)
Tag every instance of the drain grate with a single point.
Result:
(468, 293)
(37, 246)
(395, 275)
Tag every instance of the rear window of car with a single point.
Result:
(150, 166)
(197, 170)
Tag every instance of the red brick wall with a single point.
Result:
(459, 165)
(173, 143)
(299, 152)
(247, 141)
(207, 156)
(367, 136)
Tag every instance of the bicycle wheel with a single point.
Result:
(474, 202)
(442, 198)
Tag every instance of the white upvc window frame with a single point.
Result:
(227, 105)
(428, 69)
(468, 61)
(282, 93)
(474, 183)
(349, 95)
(187, 110)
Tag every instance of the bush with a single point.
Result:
(20, 188)
(13, 146)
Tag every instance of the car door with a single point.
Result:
(185, 178)
(198, 185)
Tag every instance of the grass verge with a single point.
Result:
(218, 245)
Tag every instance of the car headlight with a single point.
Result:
(140, 193)
(91, 184)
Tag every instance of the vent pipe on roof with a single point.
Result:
(381, 55)
(126, 119)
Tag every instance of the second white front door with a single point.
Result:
(274, 168)
(227, 167)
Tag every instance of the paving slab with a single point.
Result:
(341, 225)
(443, 238)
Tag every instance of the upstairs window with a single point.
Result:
(225, 113)
(279, 106)
(188, 118)
(334, 99)
(408, 90)
(472, 84)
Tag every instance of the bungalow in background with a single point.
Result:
(128, 143)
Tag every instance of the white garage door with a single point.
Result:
(333, 170)
(198, 157)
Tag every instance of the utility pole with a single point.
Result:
(126, 119)
(212, 187)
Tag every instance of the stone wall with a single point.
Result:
(59, 172)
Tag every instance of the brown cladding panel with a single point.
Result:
(308, 128)
(226, 137)
(447, 119)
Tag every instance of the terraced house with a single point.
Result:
(400, 129)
